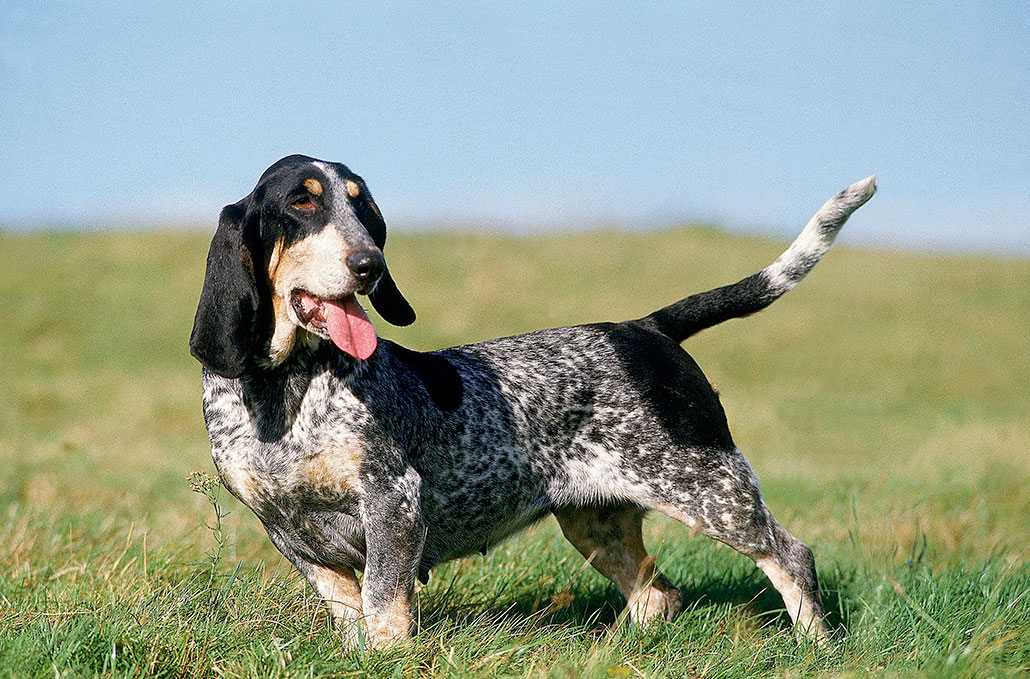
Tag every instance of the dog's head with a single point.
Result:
(285, 265)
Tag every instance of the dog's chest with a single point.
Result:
(323, 479)
(313, 462)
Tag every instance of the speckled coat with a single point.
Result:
(396, 463)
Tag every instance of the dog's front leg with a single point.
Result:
(394, 537)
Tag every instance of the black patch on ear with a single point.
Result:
(390, 303)
(438, 376)
(386, 298)
(368, 212)
(225, 327)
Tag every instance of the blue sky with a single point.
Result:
(528, 115)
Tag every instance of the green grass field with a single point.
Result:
(884, 404)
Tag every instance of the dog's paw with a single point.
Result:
(655, 603)
(387, 630)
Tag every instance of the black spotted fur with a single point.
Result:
(439, 455)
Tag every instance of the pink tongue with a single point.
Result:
(350, 328)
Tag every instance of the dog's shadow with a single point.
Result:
(595, 607)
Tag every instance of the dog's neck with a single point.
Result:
(273, 394)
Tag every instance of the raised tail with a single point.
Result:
(688, 316)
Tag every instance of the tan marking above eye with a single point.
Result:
(313, 186)
(352, 188)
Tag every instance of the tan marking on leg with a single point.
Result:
(615, 547)
(691, 522)
(341, 593)
(652, 595)
(799, 604)
(313, 186)
(391, 625)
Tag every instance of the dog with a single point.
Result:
(358, 454)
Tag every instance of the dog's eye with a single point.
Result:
(304, 204)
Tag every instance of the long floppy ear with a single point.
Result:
(386, 298)
(390, 303)
(224, 327)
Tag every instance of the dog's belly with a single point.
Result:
(463, 514)
(457, 530)
(474, 497)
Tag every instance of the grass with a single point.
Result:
(883, 404)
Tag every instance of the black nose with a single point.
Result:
(366, 265)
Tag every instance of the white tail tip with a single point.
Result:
(862, 190)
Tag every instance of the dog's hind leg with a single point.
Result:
(790, 566)
(609, 537)
(730, 508)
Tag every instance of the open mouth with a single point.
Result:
(342, 320)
